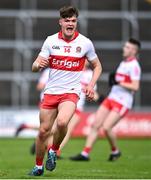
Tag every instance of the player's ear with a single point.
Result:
(60, 22)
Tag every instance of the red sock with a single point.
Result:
(48, 147)
(87, 150)
(55, 147)
(114, 148)
(39, 161)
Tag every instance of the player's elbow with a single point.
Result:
(96, 65)
(34, 69)
(99, 66)
(136, 86)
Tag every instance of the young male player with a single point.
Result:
(118, 103)
(64, 53)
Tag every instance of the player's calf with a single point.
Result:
(115, 153)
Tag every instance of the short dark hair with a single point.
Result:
(135, 42)
(68, 11)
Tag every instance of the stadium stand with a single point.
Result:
(25, 24)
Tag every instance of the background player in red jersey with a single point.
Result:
(64, 53)
(119, 101)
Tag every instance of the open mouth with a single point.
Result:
(69, 29)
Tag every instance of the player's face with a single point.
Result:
(68, 26)
(129, 50)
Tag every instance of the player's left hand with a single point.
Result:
(89, 91)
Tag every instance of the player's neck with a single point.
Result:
(130, 58)
(69, 38)
(61, 35)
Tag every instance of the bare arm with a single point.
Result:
(97, 70)
(39, 63)
(134, 85)
(40, 86)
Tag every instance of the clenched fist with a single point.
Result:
(43, 63)
(40, 63)
(89, 91)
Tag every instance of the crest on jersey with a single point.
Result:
(78, 49)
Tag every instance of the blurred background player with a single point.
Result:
(43, 79)
(119, 101)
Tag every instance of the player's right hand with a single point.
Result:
(43, 63)
(89, 91)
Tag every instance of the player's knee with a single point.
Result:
(106, 129)
(95, 127)
(43, 133)
(61, 123)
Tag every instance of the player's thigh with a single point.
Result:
(65, 112)
(47, 117)
(100, 116)
(112, 119)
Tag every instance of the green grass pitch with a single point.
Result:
(15, 160)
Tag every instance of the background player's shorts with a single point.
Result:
(115, 106)
(51, 101)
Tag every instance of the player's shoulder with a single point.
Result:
(135, 65)
(84, 38)
(135, 62)
(53, 36)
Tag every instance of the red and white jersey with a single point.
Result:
(85, 79)
(67, 59)
(43, 79)
(127, 71)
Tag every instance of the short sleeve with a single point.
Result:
(91, 54)
(135, 72)
(45, 50)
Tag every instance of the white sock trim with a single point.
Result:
(115, 152)
(39, 167)
(50, 150)
(85, 154)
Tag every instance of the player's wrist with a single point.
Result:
(91, 84)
